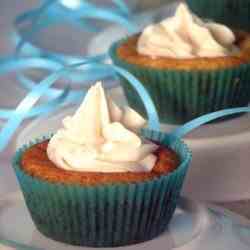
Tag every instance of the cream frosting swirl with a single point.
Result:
(186, 36)
(101, 137)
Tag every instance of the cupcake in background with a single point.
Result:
(235, 13)
(98, 182)
(189, 66)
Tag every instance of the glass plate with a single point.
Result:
(192, 227)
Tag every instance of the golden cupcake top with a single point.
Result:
(126, 50)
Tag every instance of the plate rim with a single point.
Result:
(16, 196)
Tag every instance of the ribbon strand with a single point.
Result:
(52, 12)
(26, 106)
(183, 130)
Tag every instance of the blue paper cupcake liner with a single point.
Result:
(105, 215)
(182, 95)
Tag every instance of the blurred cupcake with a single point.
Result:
(97, 182)
(234, 13)
(189, 66)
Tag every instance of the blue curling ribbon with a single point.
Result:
(55, 15)
(86, 10)
(51, 12)
(122, 6)
(26, 105)
(25, 108)
(78, 77)
(119, 4)
(181, 131)
(48, 13)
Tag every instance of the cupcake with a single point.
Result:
(189, 66)
(98, 181)
(230, 12)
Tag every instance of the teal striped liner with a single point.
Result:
(107, 215)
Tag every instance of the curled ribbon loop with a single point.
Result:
(26, 106)
(78, 77)
(119, 5)
(122, 6)
(183, 130)
(52, 12)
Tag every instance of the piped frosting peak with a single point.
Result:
(102, 137)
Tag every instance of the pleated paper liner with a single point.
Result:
(180, 96)
(233, 13)
(108, 215)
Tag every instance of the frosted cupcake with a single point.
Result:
(189, 66)
(100, 182)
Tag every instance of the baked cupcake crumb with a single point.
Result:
(127, 51)
(36, 163)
